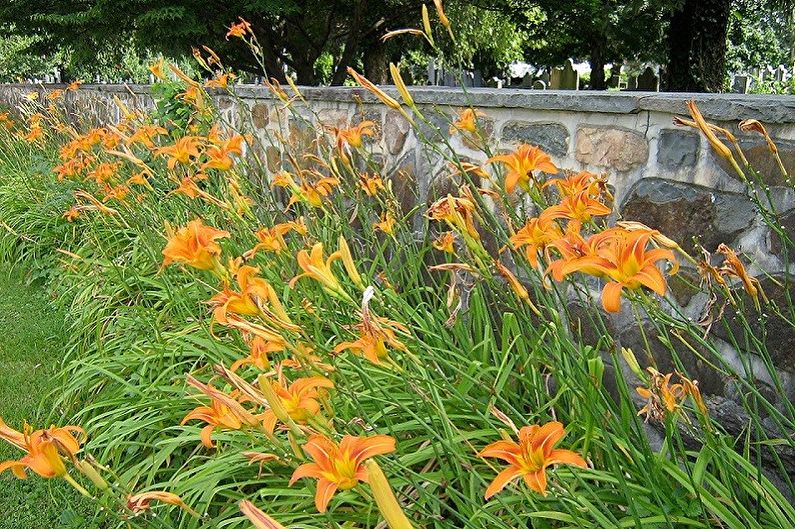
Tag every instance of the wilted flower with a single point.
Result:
(445, 242)
(141, 502)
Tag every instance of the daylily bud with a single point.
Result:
(88, 470)
(385, 498)
(347, 261)
(426, 23)
(380, 94)
(443, 20)
(596, 368)
(632, 362)
(400, 85)
(277, 407)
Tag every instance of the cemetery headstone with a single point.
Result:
(648, 81)
(565, 78)
(740, 84)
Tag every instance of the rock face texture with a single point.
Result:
(664, 176)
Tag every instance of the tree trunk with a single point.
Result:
(376, 62)
(597, 61)
(697, 46)
(350, 49)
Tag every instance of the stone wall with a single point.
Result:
(663, 175)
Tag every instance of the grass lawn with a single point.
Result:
(31, 340)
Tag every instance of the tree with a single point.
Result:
(597, 31)
(294, 34)
(697, 46)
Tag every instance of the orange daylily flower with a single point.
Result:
(371, 185)
(116, 193)
(104, 172)
(239, 29)
(145, 135)
(141, 502)
(311, 192)
(375, 334)
(259, 350)
(246, 302)
(386, 224)
(622, 257)
(467, 121)
(194, 245)
(352, 137)
(575, 253)
(183, 151)
(339, 466)
(34, 134)
(219, 155)
(157, 69)
(271, 239)
(315, 266)
(530, 457)
(445, 242)
(220, 81)
(299, 399)
(225, 411)
(578, 208)
(74, 85)
(520, 165)
(45, 449)
(537, 235)
(582, 182)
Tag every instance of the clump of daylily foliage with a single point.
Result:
(350, 373)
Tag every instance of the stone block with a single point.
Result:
(611, 148)
(776, 332)
(762, 160)
(396, 130)
(260, 115)
(678, 149)
(685, 212)
(552, 137)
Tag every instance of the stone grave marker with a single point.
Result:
(648, 81)
(539, 85)
(740, 84)
(565, 78)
